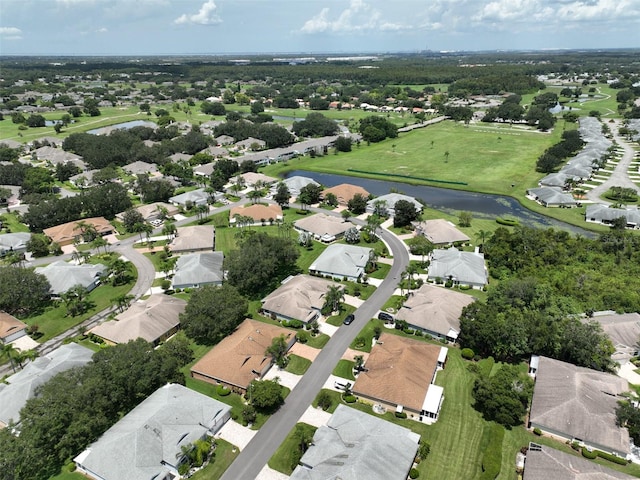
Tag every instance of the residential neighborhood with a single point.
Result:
(265, 268)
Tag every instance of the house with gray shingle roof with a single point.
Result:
(463, 268)
(196, 197)
(546, 463)
(623, 329)
(13, 242)
(439, 231)
(578, 403)
(388, 203)
(552, 197)
(147, 442)
(140, 168)
(598, 213)
(295, 184)
(355, 445)
(198, 269)
(62, 275)
(342, 261)
(21, 386)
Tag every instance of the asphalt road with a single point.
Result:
(264, 444)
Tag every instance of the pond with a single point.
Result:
(122, 126)
(482, 205)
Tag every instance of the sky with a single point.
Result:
(178, 27)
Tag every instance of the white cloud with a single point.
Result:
(102, 30)
(205, 16)
(10, 33)
(357, 17)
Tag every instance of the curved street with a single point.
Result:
(257, 453)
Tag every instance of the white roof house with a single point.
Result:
(13, 242)
(62, 275)
(389, 202)
(598, 213)
(355, 445)
(196, 197)
(296, 183)
(21, 386)
(323, 227)
(340, 261)
(464, 268)
(147, 442)
(198, 269)
(552, 197)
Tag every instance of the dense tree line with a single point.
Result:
(273, 135)
(75, 407)
(375, 128)
(315, 125)
(548, 279)
(555, 155)
(495, 85)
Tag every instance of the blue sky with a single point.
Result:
(148, 27)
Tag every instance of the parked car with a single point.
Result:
(387, 317)
(349, 319)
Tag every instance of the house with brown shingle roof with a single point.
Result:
(299, 298)
(241, 357)
(323, 227)
(66, 233)
(345, 192)
(154, 319)
(435, 310)
(11, 328)
(439, 232)
(399, 375)
(194, 238)
(258, 212)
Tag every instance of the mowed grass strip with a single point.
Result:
(283, 459)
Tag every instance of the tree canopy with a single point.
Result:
(23, 291)
(213, 313)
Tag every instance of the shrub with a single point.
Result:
(324, 400)
(537, 431)
(575, 446)
(349, 398)
(492, 459)
(611, 457)
(222, 390)
(292, 324)
(302, 336)
(591, 455)
(448, 284)
(467, 353)
(414, 473)
(165, 284)
(401, 414)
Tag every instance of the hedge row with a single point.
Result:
(492, 459)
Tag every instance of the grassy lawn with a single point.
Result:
(69, 476)
(365, 290)
(11, 224)
(54, 320)
(298, 365)
(367, 334)
(336, 399)
(285, 456)
(381, 272)
(224, 456)
(344, 369)
(318, 341)
(336, 320)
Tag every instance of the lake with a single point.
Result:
(122, 126)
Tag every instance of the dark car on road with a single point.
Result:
(349, 318)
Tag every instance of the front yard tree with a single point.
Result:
(332, 299)
(38, 245)
(283, 195)
(265, 395)
(358, 204)
(278, 351)
(213, 312)
(23, 291)
(405, 213)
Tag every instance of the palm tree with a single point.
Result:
(12, 354)
(482, 235)
(123, 301)
(169, 230)
(119, 269)
(99, 242)
(333, 297)
(255, 195)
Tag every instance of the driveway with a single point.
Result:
(236, 434)
(304, 351)
(315, 416)
(287, 379)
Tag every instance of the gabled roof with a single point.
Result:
(62, 275)
(465, 267)
(552, 196)
(204, 170)
(238, 358)
(258, 212)
(22, 385)
(546, 463)
(390, 200)
(57, 155)
(580, 403)
(153, 433)
(439, 231)
(195, 237)
(435, 309)
(398, 371)
(199, 269)
(66, 232)
(556, 179)
(9, 325)
(602, 213)
(251, 178)
(321, 224)
(342, 260)
(140, 167)
(345, 192)
(355, 445)
(299, 297)
(14, 241)
(149, 319)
